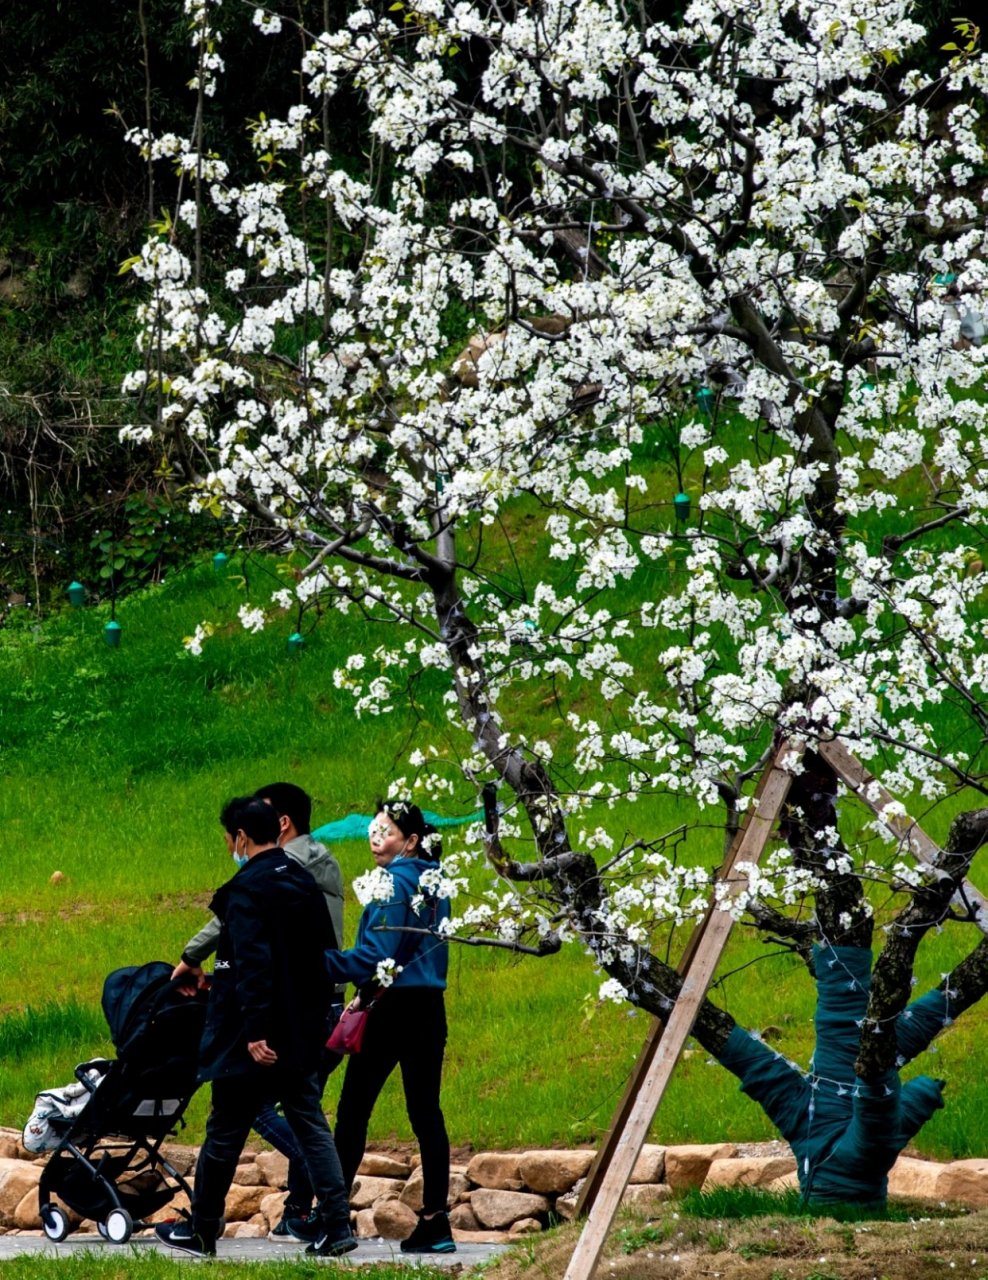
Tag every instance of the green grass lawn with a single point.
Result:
(115, 764)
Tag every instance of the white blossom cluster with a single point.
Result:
(665, 253)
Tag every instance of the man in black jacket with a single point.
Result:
(265, 1025)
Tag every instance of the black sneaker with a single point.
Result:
(431, 1235)
(307, 1229)
(183, 1235)
(328, 1246)
(289, 1213)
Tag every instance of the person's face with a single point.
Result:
(235, 845)
(386, 840)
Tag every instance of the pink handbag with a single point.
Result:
(348, 1034)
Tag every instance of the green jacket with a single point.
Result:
(323, 868)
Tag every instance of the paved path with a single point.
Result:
(466, 1255)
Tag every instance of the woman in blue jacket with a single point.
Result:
(407, 1027)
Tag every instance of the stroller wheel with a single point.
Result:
(55, 1222)
(118, 1226)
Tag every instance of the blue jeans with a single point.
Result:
(274, 1128)
(236, 1102)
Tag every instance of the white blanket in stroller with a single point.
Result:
(55, 1112)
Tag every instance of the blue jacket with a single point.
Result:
(424, 959)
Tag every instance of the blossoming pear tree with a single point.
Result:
(721, 276)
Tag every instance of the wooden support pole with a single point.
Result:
(967, 900)
(696, 980)
(622, 1112)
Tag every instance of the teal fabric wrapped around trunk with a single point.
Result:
(845, 1134)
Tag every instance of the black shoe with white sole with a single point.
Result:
(333, 1246)
(185, 1236)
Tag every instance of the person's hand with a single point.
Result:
(262, 1053)
(194, 977)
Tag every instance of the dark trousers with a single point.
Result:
(271, 1124)
(236, 1102)
(406, 1029)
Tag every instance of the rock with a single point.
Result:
(394, 1220)
(250, 1175)
(788, 1182)
(553, 1171)
(10, 1145)
(366, 1191)
(17, 1180)
(483, 1237)
(646, 1195)
(412, 1193)
(365, 1226)
(966, 1181)
(274, 1166)
(911, 1179)
(26, 1214)
(565, 1206)
(650, 1165)
(181, 1158)
(748, 1171)
(243, 1202)
(525, 1227)
(462, 1218)
(687, 1166)
(375, 1165)
(501, 1208)
(171, 1210)
(246, 1231)
(272, 1207)
(495, 1171)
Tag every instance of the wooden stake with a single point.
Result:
(968, 900)
(696, 980)
(622, 1112)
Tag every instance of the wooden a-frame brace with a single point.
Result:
(611, 1171)
(626, 1138)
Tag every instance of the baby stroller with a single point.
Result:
(108, 1165)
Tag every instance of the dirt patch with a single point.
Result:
(674, 1245)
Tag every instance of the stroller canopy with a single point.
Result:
(149, 1019)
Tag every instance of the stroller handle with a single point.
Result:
(102, 1065)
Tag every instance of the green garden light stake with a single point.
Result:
(296, 642)
(76, 593)
(681, 506)
(111, 633)
(220, 561)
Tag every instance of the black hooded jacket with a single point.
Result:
(269, 976)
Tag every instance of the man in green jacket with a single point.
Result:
(293, 806)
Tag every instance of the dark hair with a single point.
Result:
(257, 820)
(410, 821)
(289, 801)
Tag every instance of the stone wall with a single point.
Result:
(495, 1196)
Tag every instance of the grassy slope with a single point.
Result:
(115, 764)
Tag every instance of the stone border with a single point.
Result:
(497, 1196)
